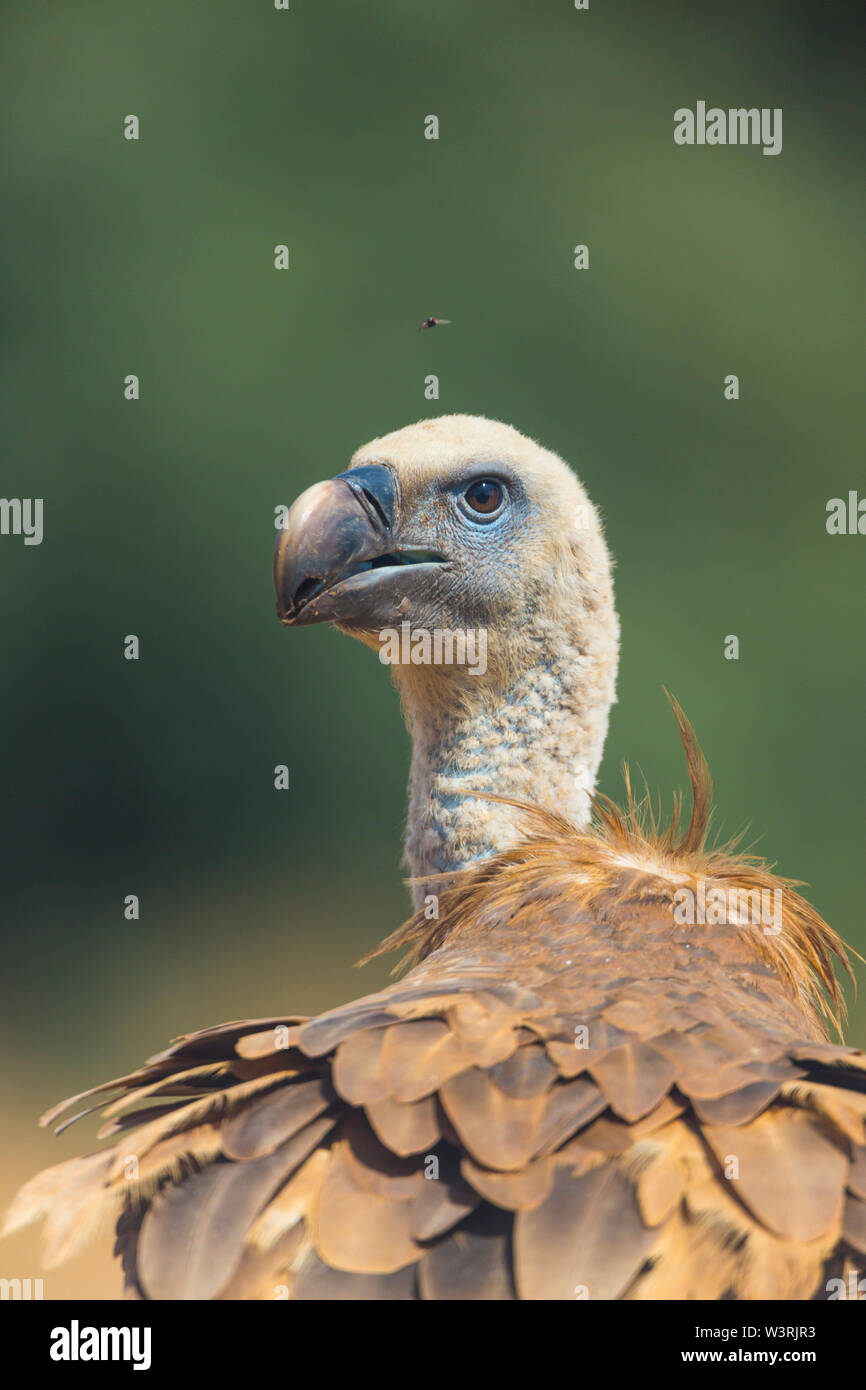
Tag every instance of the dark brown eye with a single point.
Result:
(484, 496)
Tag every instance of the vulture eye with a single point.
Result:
(484, 497)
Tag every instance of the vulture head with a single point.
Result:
(472, 559)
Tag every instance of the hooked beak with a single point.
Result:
(336, 558)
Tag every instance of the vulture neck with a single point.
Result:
(537, 737)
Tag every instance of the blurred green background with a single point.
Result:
(261, 127)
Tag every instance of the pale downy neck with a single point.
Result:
(538, 737)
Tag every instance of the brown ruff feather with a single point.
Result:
(589, 866)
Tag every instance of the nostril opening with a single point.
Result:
(377, 507)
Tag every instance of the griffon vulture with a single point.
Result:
(577, 1090)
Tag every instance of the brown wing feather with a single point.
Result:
(570, 1092)
(586, 1240)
